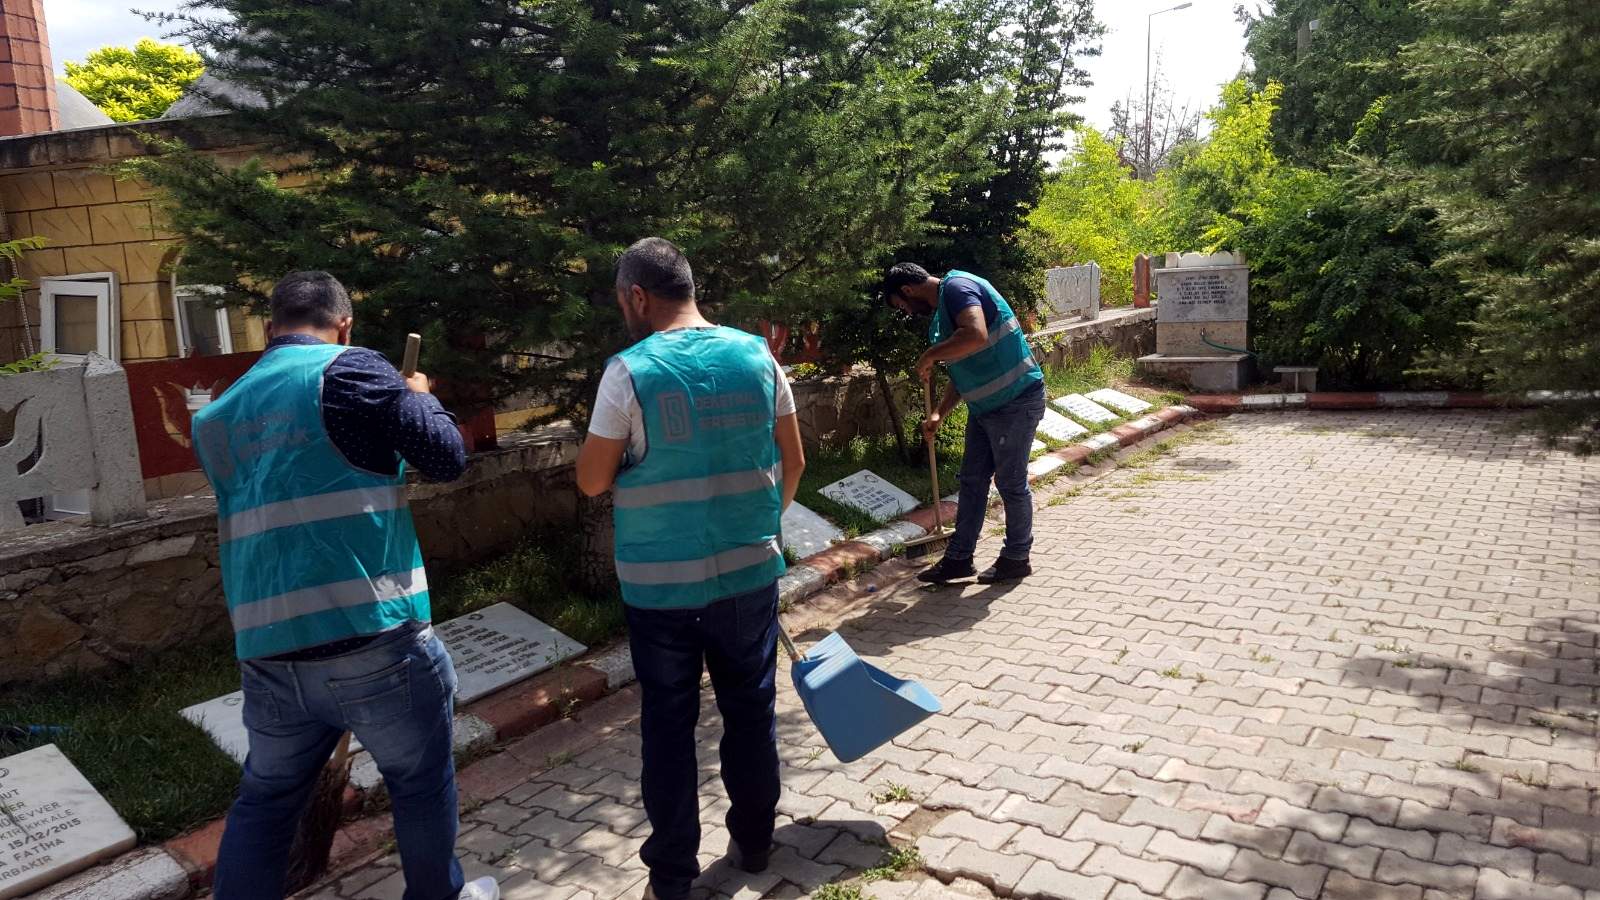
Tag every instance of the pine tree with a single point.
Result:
(474, 166)
(1507, 89)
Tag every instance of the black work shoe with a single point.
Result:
(947, 569)
(1005, 570)
(754, 863)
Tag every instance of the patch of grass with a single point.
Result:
(123, 732)
(893, 793)
(1530, 780)
(1172, 672)
(1392, 647)
(838, 891)
(1134, 747)
(896, 861)
(537, 576)
(1466, 765)
(1102, 368)
(1257, 656)
(1121, 655)
(557, 760)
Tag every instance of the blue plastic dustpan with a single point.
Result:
(857, 706)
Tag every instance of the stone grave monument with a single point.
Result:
(1202, 314)
(53, 823)
(805, 532)
(1073, 292)
(870, 494)
(492, 648)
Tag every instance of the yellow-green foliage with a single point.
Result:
(132, 84)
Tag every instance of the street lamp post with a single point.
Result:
(1148, 137)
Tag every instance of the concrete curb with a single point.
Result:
(1229, 403)
(185, 864)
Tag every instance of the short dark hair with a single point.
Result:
(316, 299)
(658, 266)
(900, 275)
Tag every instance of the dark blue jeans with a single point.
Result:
(736, 639)
(398, 695)
(997, 451)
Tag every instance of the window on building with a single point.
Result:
(204, 329)
(79, 315)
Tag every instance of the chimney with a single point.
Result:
(27, 81)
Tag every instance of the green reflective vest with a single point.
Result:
(313, 549)
(697, 517)
(1002, 369)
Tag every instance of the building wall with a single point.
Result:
(55, 186)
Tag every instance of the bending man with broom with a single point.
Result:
(694, 431)
(327, 593)
(975, 334)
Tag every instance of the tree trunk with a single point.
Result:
(597, 569)
(896, 423)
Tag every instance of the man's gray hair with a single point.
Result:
(658, 266)
(316, 299)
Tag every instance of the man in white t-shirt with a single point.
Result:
(694, 432)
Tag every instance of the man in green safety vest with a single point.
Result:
(979, 339)
(326, 589)
(694, 432)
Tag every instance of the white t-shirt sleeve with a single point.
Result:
(615, 406)
(785, 393)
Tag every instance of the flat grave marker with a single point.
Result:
(870, 494)
(54, 822)
(1084, 410)
(1119, 401)
(494, 647)
(806, 533)
(1058, 427)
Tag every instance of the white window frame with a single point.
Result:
(181, 316)
(108, 317)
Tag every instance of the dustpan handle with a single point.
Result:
(788, 645)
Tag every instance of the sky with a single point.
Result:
(1200, 48)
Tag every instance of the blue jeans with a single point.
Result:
(398, 695)
(736, 638)
(997, 450)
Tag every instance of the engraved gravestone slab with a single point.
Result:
(223, 719)
(500, 645)
(870, 494)
(806, 533)
(1058, 427)
(1036, 446)
(1119, 401)
(52, 822)
(1073, 291)
(1084, 410)
(1203, 294)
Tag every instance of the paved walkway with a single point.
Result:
(1319, 655)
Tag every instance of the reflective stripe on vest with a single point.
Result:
(697, 517)
(992, 375)
(313, 550)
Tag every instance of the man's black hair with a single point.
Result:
(900, 275)
(658, 266)
(316, 299)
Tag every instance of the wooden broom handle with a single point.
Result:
(933, 461)
(408, 366)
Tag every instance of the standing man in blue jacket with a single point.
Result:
(694, 432)
(979, 339)
(326, 589)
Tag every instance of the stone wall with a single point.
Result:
(1125, 330)
(78, 597)
(834, 410)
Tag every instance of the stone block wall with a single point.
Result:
(836, 409)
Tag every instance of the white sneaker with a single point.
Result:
(482, 889)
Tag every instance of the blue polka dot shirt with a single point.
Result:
(375, 420)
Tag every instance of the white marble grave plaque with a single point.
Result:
(1203, 294)
(52, 822)
(223, 719)
(1058, 427)
(500, 645)
(1036, 446)
(1119, 401)
(870, 494)
(1084, 410)
(1073, 291)
(806, 533)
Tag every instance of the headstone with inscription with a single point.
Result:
(52, 822)
(805, 532)
(1085, 410)
(1058, 427)
(491, 648)
(870, 494)
(501, 645)
(1203, 294)
(1117, 400)
(1073, 291)
(1202, 322)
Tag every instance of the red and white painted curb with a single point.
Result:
(1229, 403)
